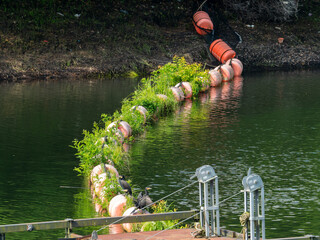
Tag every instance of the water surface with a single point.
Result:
(267, 121)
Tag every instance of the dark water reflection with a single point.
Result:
(269, 122)
(38, 122)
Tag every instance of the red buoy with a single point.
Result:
(221, 51)
(202, 23)
(236, 65)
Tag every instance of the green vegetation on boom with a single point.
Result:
(91, 150)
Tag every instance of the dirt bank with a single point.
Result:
(75, 51)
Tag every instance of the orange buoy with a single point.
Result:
(215, 78)
(221, 51)
(202, 23)
(142, 111)
(99, 182)
(226, 72)
(115, 229)
(186, 88)
(97, 170)
(130, 211)
(123, 126)
(117, 205)
(236, 65)
(177, 93)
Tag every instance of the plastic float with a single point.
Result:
(202, 23)
(215, 78)
(221, 51)
(115, 229)
(226, 72)
(101, 168)
(236, 65)
(141, 110)
(98, 183)
(186, 88)
(117, 205)
(130, 211)
(123, 126)
(177, 93)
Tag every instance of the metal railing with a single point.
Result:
(68, 224)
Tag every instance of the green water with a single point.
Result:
(38, 122)
(268, 121)
(271, 123)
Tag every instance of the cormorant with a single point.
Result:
(124, 184)
(143, 199)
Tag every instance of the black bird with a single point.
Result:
(143, 199)
(124, 184)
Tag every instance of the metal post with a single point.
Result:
(206, 210)
(246, 210)
(69, 228)
(212, 215)
(262, 214)
(200, 204)
(254, 186)
(209, 196)
(2, 236)
(217, 207)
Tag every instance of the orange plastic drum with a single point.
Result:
(202, 23)
(221, 51)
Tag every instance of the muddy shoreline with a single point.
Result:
(88, 57)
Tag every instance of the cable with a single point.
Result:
(174, 225)
(201, 5)
(229, 197)
(150, 204)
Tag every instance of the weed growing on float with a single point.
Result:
(160, 207)
(102, 145)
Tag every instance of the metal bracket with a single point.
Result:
(205, 174)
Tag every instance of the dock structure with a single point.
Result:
(174, 234)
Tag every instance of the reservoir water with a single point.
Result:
(267, 121)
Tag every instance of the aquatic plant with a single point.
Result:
(105, 144)
(160, 207)
(91, 150)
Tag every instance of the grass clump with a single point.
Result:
(104, 144)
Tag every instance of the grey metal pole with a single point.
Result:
(252, 237)
(256, 213)
(200, 202)
(206, 213)
(212, 213)
(262, 215)
(217, 204)
(246, 210)
(2, 236)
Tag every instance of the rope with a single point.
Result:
(200, 232)
(150, 204)
(229, 197)
(244, 219)
(200, 7)
(174, 225)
